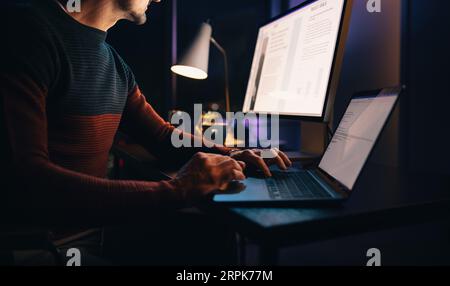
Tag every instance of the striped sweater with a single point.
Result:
(64, 94)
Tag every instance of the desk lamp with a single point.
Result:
(195, 62)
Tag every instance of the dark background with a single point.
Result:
(148, 49)
(407, 43)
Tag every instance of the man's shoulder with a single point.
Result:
(116, 54)
(123, 67)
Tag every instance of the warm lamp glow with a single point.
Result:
(190, 72)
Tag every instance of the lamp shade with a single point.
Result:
(195, 62)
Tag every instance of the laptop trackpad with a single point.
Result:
(254, 189)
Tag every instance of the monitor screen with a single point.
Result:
(293, 60)
(356, 136)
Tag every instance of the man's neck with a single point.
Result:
(98, 14)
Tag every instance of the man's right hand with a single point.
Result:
(206, 173)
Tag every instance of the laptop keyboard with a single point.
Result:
(294, 185)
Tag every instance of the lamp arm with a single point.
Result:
(227, 83)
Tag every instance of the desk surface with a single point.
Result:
(383, 198)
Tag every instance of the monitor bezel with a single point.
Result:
(343, 25)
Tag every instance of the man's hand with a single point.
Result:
(206, 173)
(253, 158)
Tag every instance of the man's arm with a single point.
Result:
(45, 184)
(143, 124)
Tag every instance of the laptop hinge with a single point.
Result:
(335, 184)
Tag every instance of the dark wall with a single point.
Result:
(375, 57)
(373, 60)
(427, 75)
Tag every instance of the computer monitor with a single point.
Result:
(297, 61)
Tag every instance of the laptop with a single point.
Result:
(340, 167)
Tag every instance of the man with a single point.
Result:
(65, 93)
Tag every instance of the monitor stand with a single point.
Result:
(314, 141)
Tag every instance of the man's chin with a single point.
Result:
(139, 19)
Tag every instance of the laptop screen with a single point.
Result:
(356, 136)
